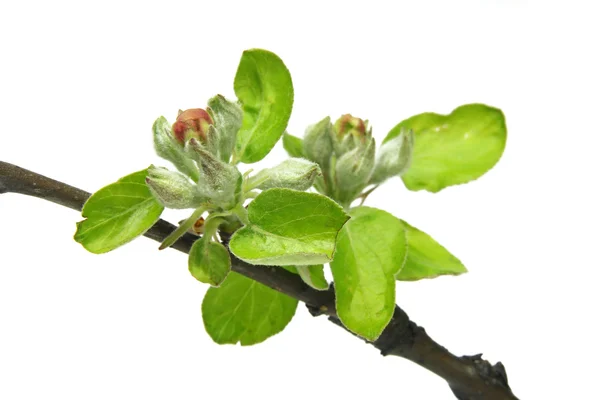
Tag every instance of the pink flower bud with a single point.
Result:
(192, 123)
(349, 125)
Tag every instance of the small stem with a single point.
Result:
(182, 228)
(254, 181)
(363, 196)
(251, 195)
(241, 212)
(211, 225)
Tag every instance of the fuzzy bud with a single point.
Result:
(353, 170)
(394, 157)
(172, 189)
(318, 145)
(227, 116)
(349, 125)
(167, 148)
(350, 132)
(219, 181)
(294, 173)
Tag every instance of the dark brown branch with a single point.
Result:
(469, 377)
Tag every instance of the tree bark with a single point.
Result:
(469, 377)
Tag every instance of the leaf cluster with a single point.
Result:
(303, 214)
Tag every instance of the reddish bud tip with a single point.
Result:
(192, 123)
(347, 124)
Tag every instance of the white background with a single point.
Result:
(81, 84)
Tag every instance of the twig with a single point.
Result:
(469, 377)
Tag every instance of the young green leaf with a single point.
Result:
(209, 261)
(288, 227)
(426, 258)
(313, 276)
(264, 87)
(293, 145)
(371, 249)
(117, 214)
(245, 311)
(453, 149)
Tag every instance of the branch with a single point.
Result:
(469, 377)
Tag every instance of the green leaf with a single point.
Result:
(209, 261)
(371, 249)
(288, 227)
(117, 214)
(264, 87)
(313, 276)
(293, 145)
(426, 258)
(245, 311)
(453, 149)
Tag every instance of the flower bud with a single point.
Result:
(349, 125)
(192, 123)
(228, 121)
(220, 182)
(394, 157)
(294, 173)
(353, 170)
(167, 148)
(349, 133)
(172, 189)
(318, 145)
